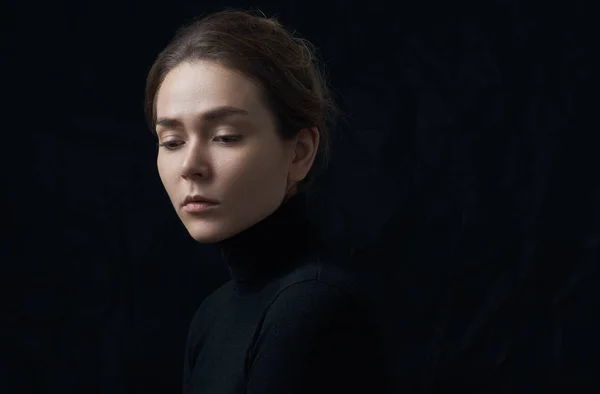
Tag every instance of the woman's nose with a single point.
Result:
(196, 161)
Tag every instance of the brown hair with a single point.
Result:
(285, 66)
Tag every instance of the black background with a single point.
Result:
(466, 176)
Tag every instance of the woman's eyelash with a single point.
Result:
(226, 139)
(167, 145)
(229, 138)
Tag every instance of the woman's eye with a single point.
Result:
(170, 145)
(225, 139)
(229, 139)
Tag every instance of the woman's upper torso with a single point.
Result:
(291, 320)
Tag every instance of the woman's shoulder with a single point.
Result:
(331, 267)
(305, 305)
(213, 303)
(318, 282)
(313, 301)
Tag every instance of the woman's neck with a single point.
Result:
(272, 246)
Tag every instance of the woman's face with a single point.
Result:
(218, 140)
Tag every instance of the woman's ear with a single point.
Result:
(303, 157)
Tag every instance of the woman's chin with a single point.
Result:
(215, 230)
(207, 235)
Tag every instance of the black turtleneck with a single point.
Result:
(276, 244)
(289, 321)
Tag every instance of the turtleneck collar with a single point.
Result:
(272, 246)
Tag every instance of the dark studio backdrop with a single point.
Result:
(466, 178)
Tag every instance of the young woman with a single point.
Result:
(241, 110)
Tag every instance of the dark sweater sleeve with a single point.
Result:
(313, 339)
